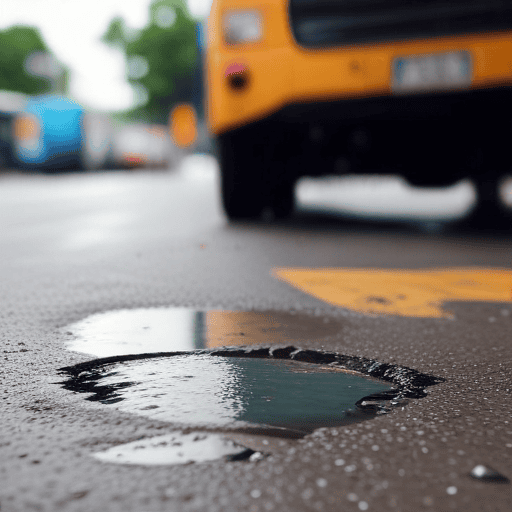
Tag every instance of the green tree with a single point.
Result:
(161, 58)
(16, 44)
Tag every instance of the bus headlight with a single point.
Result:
(242, 26)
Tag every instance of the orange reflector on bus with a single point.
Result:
(183, 125)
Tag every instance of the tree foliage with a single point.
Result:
(16, 44)
(161, 58)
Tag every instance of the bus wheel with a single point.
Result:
(283, 200)
(241, 177)
(489, 213)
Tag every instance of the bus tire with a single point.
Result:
(240, 177)
(283, 200)
(489, 212)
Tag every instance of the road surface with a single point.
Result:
(424, 294)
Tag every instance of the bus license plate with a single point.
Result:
(431, 72)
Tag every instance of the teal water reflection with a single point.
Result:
(208, 391)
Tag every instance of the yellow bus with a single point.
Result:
(310, 87)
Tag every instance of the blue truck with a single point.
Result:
(51, 133)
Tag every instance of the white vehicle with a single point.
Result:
(97, 144)
(143, 145)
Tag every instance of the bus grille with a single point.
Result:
(321, 23)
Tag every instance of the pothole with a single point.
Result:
(200, 390)
(238, 400)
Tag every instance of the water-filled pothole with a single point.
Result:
(156, 367)
(199, 390)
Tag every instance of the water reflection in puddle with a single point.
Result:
(177, 448)
(216, 392)
(139, 331)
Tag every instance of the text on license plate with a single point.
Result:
(420, 73)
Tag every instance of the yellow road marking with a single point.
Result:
(413, 293)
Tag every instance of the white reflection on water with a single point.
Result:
(199, 390)
(135, 331)
(174, 448)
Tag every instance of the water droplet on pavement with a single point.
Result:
(487, 474)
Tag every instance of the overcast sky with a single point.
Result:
(72, 29)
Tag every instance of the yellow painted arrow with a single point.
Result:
(414, 293)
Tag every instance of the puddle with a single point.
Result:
(229, 371)
(178, 448)
(139, 331)
(198, 390)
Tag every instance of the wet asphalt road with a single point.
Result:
(74, 245)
